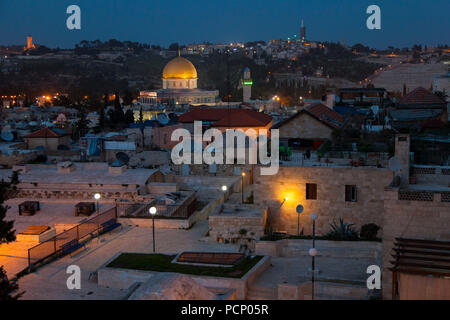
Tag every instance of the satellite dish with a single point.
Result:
(394, 164)
(7, 136)
(117, 163)
(299, 209)
(123, 157)
(375, 109)
(162, 119)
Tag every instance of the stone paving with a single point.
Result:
(49, 281)
(297, 270)
(14, 255)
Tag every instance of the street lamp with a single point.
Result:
(313, 253)
(314, 218)
(299, 210)
(97, 197)
(152, 212)
(224, 188)
(243, 175)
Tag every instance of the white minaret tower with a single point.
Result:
(303, 32)
(247, 83)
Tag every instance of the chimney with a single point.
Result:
(402, 153)
(117, 169)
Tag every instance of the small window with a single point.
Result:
(311, 191)
(350, 193)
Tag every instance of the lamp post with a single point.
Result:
(97, 197)
(152, 212)
(224, 188)
(313, 253)
(243, 175)
(299, 210)
(314, 218)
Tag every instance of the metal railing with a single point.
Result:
(52, 246)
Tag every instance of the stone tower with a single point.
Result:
(402, 153)
(303, 32)
(247, 83)
(30, 44)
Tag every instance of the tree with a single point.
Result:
(129, 117)
(174, 46)
(7, 234)
(117, 117)
(141, 115)
(127, 98)
(82, 125)
(101, 118)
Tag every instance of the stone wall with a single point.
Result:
(305, 126)
(431, 175)
(402, 153)
(18, 158)
(290, 183)
(227, 227)
(428, 220)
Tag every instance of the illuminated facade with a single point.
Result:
(179, 87)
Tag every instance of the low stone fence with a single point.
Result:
(431, 175)
(125, 278)
(173, 223)
(325, 248)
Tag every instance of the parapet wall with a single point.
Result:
(426, 215)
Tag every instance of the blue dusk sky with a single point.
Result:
(404, 22)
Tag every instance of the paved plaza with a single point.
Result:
(49, 281)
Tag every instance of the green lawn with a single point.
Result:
(162, 263)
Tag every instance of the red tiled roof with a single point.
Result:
(224, 117)
(420, 96)
(325, 114)
(44, 133)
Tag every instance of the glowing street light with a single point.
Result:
(224, 188)
(97, 197)
(313, 253)
(152, 212)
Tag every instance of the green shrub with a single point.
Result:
(342, 231)
(369, 231)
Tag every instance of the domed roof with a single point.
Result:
(179, 68)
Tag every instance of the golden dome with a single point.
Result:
(179, 68)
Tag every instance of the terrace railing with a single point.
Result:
(54, 245)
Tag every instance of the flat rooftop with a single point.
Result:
(83, 174)
(239, 210)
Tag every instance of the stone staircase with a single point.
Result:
(261, 293)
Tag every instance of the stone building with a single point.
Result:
(233, 223)
(419, 211)
(48, 139)
(322, 190)
(179, 86)
(83, 180)
(309, 127)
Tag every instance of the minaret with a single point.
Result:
(303, 32)
(247, 83)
